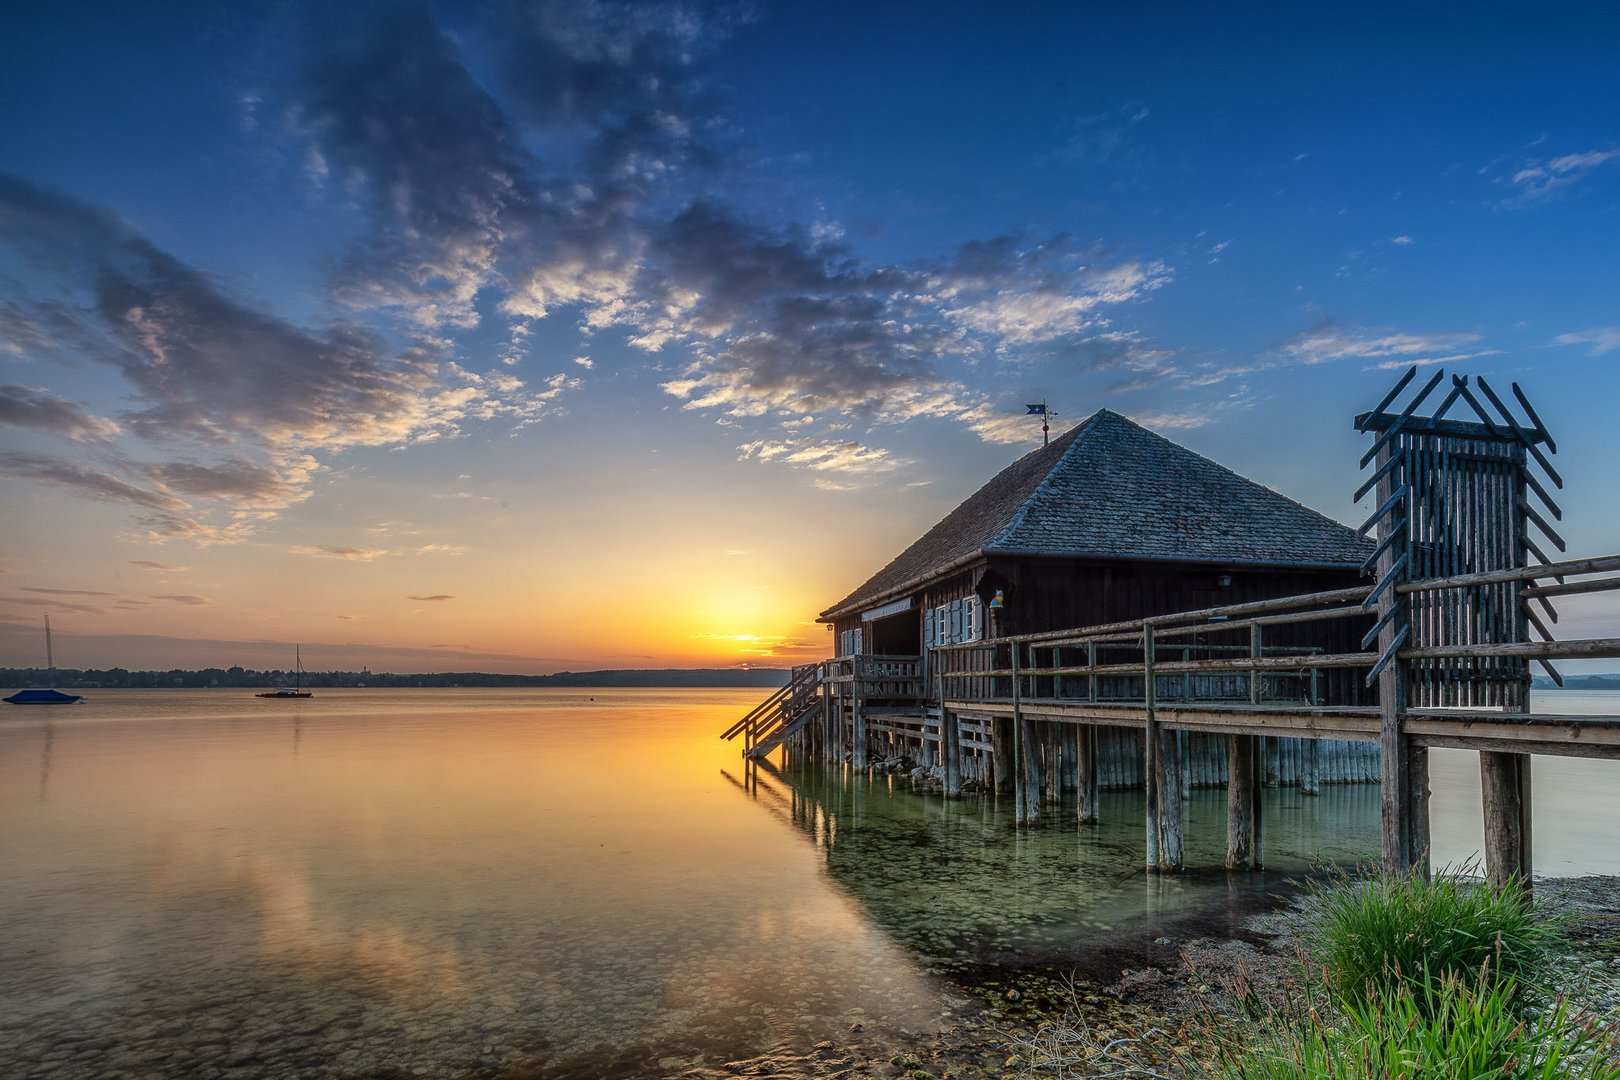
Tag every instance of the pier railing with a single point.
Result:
(1221, 653)
(872, 677)
(1211, 654)
(772, 720)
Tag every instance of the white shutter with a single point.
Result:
(975, 631)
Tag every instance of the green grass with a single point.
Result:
(1383, 934)
(1457, 1032)
(1423, 979)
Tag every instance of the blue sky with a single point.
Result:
(528, 336)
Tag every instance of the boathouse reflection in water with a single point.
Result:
(959, 884)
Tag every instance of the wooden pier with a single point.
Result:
(1459, 582)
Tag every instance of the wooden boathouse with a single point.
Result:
(1114, 590)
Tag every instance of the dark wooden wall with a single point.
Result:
(1062, 594)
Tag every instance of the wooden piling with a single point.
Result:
(1505, 790)
(858, 737)
(950, 727)
(1242, 804)
(1150, 751)
(1172, 853)
(1052, 756)
(1086, 775)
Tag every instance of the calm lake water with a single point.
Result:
(570, 883)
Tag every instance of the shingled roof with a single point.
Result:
(1110, 489)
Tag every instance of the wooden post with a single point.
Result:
(950, 737)
(1258, 798)
(1161, 772)
(1171, 848)
(1086, 781)
(830, 743)
(857, 718)
(1242, 804)
(1034, 772)
(1404, 768)
(1071, 757)
(1310, 774)
(1150, 751)
(1505, 798)
(1052, 755)
(1091, 680)
(1505, 788)
(1002, 738)
(1028, 747)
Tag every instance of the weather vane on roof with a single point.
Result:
(1046, 427)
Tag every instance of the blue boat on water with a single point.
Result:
(44, 697)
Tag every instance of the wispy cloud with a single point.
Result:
(851, 458)
(1328, 341)
(87, 481)
(209, 373)
(1539, 179)
(618, 228)
(66, 592)
(39, 409)
(162, 568)
(183, 598)
(436, 596)
(1600, 340)
(54, 604)
(335, 551)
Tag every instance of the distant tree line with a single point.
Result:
(1578, 682)
(237, 676)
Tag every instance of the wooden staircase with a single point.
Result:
(785, 712)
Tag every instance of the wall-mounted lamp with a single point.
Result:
(1224, 581)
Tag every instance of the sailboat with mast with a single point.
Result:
(44, 696)
(296, 690)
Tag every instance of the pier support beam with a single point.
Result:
(1172, 853)
(1310, 773)
(1505, 790)
(1052, 757)
(950, 733)
(1003, 753)
(1243, 804)
(1086, 775)
(1034, 771)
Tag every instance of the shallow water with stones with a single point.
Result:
(490, 883)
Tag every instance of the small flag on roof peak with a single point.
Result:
(1039, 409)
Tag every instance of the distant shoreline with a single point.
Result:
(122, 679)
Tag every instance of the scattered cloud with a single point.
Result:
(1600, 340)
(163, 568)
(54, 604)
(1540, 179)
(436, 596)
(66, 592)
(181, 598)
(851, 458)
(40, 410)
(334, 551)
(1328, 341)
(83, 480)
(1402, 241)
(241, 401)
